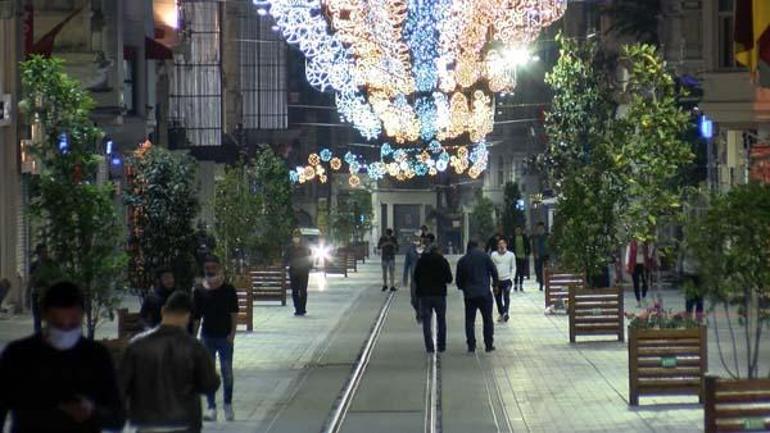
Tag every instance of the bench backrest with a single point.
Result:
(557, 286)
(245, 307)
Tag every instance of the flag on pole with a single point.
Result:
(752, 36)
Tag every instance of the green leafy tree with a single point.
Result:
(651, 149)
(730, 241)
(512, 216)
(482, 218)
(581, 166)
(352, 217)
(276, 217)
(75, 213)
(162, 202)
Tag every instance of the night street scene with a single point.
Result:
(384, 216)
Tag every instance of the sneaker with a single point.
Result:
(501, 318)
(229, 414)
(384, 288)
(490, 349)
(210, 414)
(506, 317)
(430, 350)
(393, 288)
(638, 304)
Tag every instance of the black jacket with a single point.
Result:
(35, 379)
(163, 373)
(299, 259)
(432, 274)
(152, 305)
(475, 273)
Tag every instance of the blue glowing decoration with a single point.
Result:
(399, 155)
(108, 147)
(426, 112)
(385, 150)
(421, 34)
(326, 155)
(420, 169)
(355, 167)
(520, 204)
(294, 176)
(479, 153)
(376, 171)
(350, 157)
(443, 157)
(435, 146)
(116, 161)
(441, 164)
(63, 143)
(706, 126)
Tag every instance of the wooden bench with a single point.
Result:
(595, 312)
(352, 258)
(268, 283)
(737, 405)
(245, 304)
(666, 362)
(557, 286)
(337, 264)
(129, 324)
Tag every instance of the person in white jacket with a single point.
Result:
(505, 262)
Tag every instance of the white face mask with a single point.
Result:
(64, 340)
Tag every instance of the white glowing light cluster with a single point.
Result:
(414, 69)
(398, 163)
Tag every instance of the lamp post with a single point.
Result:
(706, 127)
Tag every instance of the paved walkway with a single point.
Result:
(289, 369)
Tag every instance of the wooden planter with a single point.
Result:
(734, 405)
(269, 283)
(245, 294)
(557, 286)
(666, 362)
(595, 312)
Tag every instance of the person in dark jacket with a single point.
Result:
(299, 259)
(164, 371)
(388, 246)
(410, 263)
(216, 304)
(475, 273)
(431, 275)
(151, 307)
(56, 380)
(521, 249)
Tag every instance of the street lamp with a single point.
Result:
(706, 128)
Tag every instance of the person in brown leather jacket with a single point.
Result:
(165, 370)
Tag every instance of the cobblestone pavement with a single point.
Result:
(546, 384)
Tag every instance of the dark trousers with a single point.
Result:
(503, 297)
(640, 276)
(521, 270)
(429, 305)
(483, 304)
(37, 319)
(299, 292)
(224, 348)
(539, 265)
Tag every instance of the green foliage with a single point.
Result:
(162, 201)
(651, 149)
(254, 217)
(615, 176)
(731, 244)
(511, 216)
(352, 217)
(76, 215)
(482, 218)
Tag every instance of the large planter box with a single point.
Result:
(269, 283)
(737, 405)
(595, 312)
(557, 285)
(666, 362)
(243, 289)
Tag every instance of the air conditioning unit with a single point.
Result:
(5, 110)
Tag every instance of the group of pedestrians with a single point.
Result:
(161, 376)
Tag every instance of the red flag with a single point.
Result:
(44, 46)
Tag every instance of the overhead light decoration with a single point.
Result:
(414, 73)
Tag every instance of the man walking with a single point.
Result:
(56, 380)
(216, 304)
(540, 252)
(431, 275)
(506, 263)
(153, 303)
(164, 371)
(492, 242)
(475, 271)
(299, 259)
(410, 263)
(521, 250)
(388, 246)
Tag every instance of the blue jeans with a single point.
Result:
(389, 267)
(429, 304)
(225, 349)
(503, 297)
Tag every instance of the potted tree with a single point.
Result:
(731, 241)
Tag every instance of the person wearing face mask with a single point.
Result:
(56, 380)
(216, 309)
(299, 260)
(164, 371)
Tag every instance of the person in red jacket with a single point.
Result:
(639, 263)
